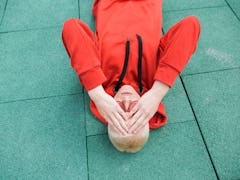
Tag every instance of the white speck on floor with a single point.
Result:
(220, 56)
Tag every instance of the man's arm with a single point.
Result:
(147, 106)
(109, 109)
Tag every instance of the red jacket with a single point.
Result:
(128, 38)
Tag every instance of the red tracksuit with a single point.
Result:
(128, 48)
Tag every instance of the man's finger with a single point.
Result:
(118, 126)
(141, 126)
(121, 122)
(116, 129)
(122, 113)
(134, 110)
(134, 119)
(114, 125)
(138, 124)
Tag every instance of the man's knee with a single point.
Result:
(75, 26)
(192, 23)
(69, 25)
(193, 20)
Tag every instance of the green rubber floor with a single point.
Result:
(48, 132)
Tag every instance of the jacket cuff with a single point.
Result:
(166, 74)
(92, 78)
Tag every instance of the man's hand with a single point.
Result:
(146, 107)
(109, 109)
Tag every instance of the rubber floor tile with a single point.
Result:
(35, 64)
(175, 151)
(218, 47)
(215, 99)
(169, 5)
(177, 105)
(175, 102)
(2, 6)
(93, 125)
(86, 13)
(43, 139)
(235, 5)
(28, 14)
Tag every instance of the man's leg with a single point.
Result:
(78, 40)
(176, 48)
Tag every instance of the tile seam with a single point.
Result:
(85, 120)
(30, 29)
(4, 10)
(187, 121)
(181, 122)
(38, 98)
(201, 133)
(187, 9)
(208, 72)
(93, 135)
(235, 14)
(78, 9)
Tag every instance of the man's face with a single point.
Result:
(127, 97)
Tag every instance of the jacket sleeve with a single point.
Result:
(95, 8)
(79, 42)
(176, 48)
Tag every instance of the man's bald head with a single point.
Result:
(127, 98)
(128, 143)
